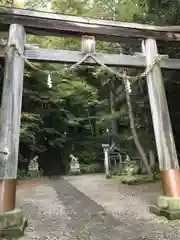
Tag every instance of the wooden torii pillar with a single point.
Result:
(11, 114)
(167, 155)
(10, 117)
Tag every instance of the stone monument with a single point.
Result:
(74, 165)
(33, 169)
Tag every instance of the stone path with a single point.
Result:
(93, 208)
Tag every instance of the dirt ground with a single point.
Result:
(93, 208)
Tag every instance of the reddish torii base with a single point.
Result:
(171, 182)
(7, 195)
(168, 205)
(12, 221)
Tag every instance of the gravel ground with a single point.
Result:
(91, 207)
(45, 211)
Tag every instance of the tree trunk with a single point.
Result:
(112, 109)
(152, 160)
(134, 133)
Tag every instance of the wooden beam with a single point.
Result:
(54, 24)
(10, 118)
(33, 53)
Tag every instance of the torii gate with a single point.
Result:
(21, 21)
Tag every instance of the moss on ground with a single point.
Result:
(133, 180)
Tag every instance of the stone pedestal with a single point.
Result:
(168, 207)
(12, 224)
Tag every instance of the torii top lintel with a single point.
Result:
(53, 24)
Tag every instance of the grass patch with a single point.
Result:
(120, 178)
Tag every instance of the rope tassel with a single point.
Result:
(49, 81)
